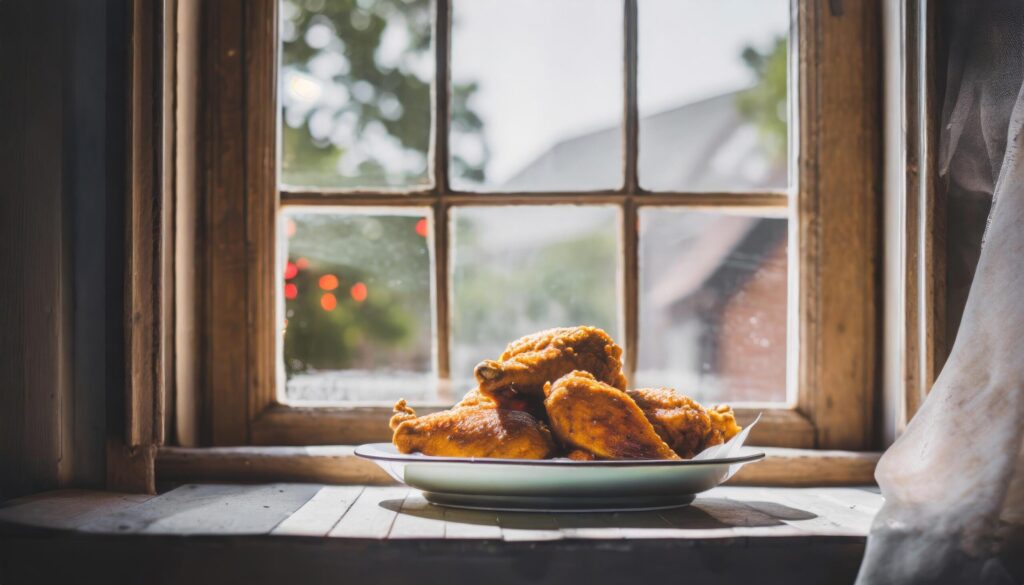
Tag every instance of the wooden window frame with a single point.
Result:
(833, 209)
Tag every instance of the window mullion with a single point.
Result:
(630, 261)
(442, 55)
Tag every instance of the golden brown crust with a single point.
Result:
(685, 425)
(472, 431)
(723, 425)
(679, 421)
(589, 415)
(530, 362)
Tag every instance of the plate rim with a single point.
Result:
(360, 452)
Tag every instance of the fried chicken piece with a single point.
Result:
(534, 405)
(543, 357)
(475, 398)
(686, 426)
(589, 415)
(580, 455)
(679, 421)
(723, 425)
(471, 431)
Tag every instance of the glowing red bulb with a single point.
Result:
(290, 270)
(302, 263)
(328, 282)
(421, 227)
(291, 291)
(328, 302)
(358, 292)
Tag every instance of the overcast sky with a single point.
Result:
(552, 69)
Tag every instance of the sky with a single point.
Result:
(552, 69)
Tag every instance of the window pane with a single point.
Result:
(713, 297)
(536, 95)
(712, 92)
(357, 306)
(355, 92)
(518, 270)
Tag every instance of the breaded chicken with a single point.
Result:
(686, 426)
(679, 421)
(532, 361)
(471, 431)
(589, 415)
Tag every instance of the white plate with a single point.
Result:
(554, 484)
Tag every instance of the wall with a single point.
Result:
(61, 210)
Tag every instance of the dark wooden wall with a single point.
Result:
(61, 240)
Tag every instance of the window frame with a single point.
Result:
(833, 209)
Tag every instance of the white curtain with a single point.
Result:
(954, 481)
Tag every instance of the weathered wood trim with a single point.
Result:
(226, 334)
(338, 464)
(130, 455)
(260, 144)
(923, 237)
(834, 209)
(837, 217)
(144, 390)
(767, 202)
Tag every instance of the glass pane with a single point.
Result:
(713, 297)
(536, 95)
(357, 307)
(355, 92)
(518, 270)
(712, 92)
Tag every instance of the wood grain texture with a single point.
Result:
(837, 218)
(209, 509)
(225, 336)
(923, 237)
(372, 515)
(321, 513)
(336, 465)
(260, 143)
(724, 515)
(67, 509)
(781, 467)
(35, 233)
(144, 233)
(391, 535)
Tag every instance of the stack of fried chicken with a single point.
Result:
(561, 393)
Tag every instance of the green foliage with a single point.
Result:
(390, 328)
(765, 104)
(376, 93)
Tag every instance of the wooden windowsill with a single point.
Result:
(338, 465)
(310, 533)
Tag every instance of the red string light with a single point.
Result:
(359, 292)
(328, 302)
(290, 270)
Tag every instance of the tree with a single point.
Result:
(766, 103)
(356, 97)
(357, 81)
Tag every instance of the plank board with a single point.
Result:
(321, 513)
(67, 509)
(372, 514)
(471, 524)
(210, 509)
(806, 511)
(528, 526)
(418, 519)
(721, 516)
